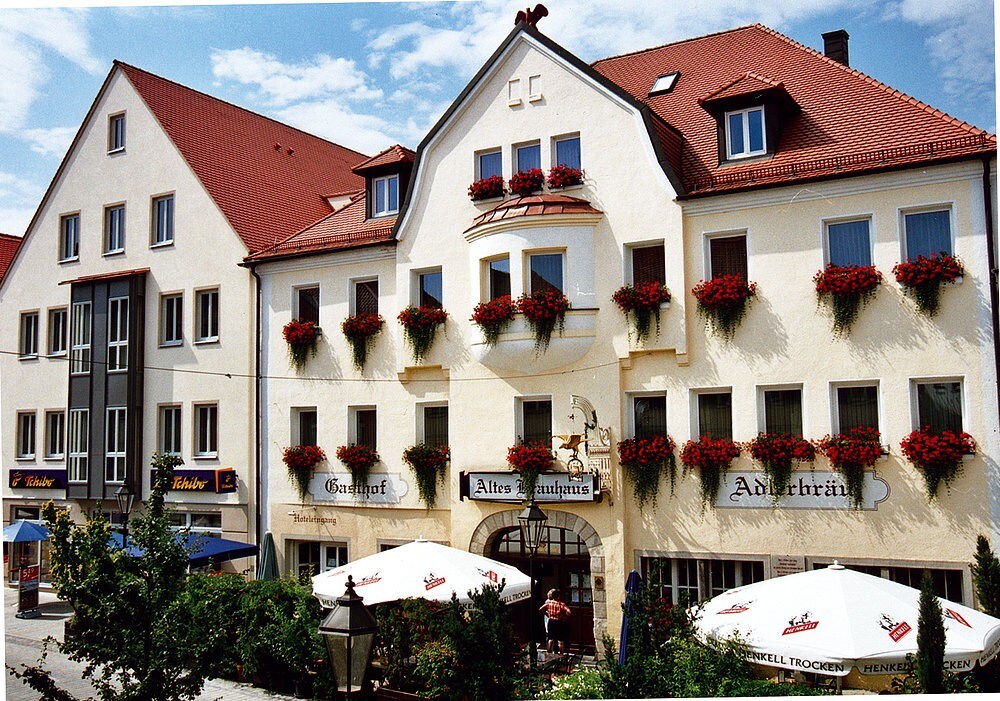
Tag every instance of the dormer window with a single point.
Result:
(386, 195)
(745, 134)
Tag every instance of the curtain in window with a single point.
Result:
(939, 405)
(857, 407)
(529, 157)
(783, 411)
(309, 304)
(499, 278)
(366, 297)
(715, 415)
(849, 243)
(490, 164)
(650, 416)
(366, 428)
(927, 233)
(546, 272)
(729, 256)
(648, 264)
(538, 422)
(436, 425)
(307, 428)
(568, 152)
(430, 290)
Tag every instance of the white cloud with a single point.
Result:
(285, 83)
(22, 74)
(367, 133)
(49, 142)
(60, 30)
(18, 199)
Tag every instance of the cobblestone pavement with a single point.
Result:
(23, 644)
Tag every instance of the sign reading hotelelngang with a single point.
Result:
(380, 488)
(808, 489)
(507, 486)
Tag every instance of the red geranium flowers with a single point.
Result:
(492, 317)
(544, 310)
(419, 327)
(922, 278)
(846, 289)
(644, 460)
(937, 455)
(487, 188)
(301, 337)
(526, 182)
(642, 301)
(360, 331)
(723, 301)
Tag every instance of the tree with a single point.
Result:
(131, 624)
(929, 661)
(986, 577)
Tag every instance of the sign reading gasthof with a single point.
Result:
(380, 488)
(508, 487)
(813, 489)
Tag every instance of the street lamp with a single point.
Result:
(349, 630)
(532, 522)
(125, 498)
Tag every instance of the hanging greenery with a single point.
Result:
(301, 461)
(301, 337)
(419, 326)
(428, 463)
(723, 302)
(845, 289)
(644, 461)
(937, 456)
(922, 278)
(359, 460)
(544, 310)
(851, 454)
(493, 317)
(712, 457)
(360, 331)
(642, 302)
(776, 452)
(530, 460)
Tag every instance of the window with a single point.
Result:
(307, 304)
(527, 157)
(431, 289)
(489, 164)
(313, 558)
(207, 323)
(79, 351)
(116, 132)
(366, 428)
(28, 346)
(649, 416)
(745, 133)
(206, 430)
(170, 430)
(25, 435)
(567, 152)
(114, 229)
(55, 434)
(857, 407)
(208, 524)
(715, 415)
(849, 243)
(163, 220)
(114, 445)
(366, 297)
(79, 445)
(783, 411)
(927, 233)
(728, 256)
(498, 272)
(117, 334)
(435, 425)
(171, 319)
(648, 264)
(69, 237)
(664, 84)
(680, 580)
(536, 421)
(939, 405)
(57, 331)
(386, 195)
(545, 272)
(304, 426)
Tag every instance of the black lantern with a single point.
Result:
(125, 498)
(532, 522)
(349, 631)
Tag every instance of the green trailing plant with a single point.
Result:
(712, 457)
(644, 461)
(545, 310)
(301, 337)
(301, 461)
(928, 663)
(851, 454)
(937, 456)
(360, 331)
(429, 463)
(359, 461)
(922, 278)
(642, 303)
(419, 328)
(723, 302)
(845, 289)
(776, 452)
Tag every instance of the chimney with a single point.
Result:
(835, 46)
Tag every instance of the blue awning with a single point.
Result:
(202, 549)
(24, 532)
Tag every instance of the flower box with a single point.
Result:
(493, 317)
(300, 461)
(723, 301)
(544, 310)
(644, 461)
(301, 337)
(712, 457)
(642, 302)
(487, 188)
(937, 456)
(851, 454)
(846, 289)
(526, 182)
(428, 463)
(776, 452)
(359, 460)
(419, 327)
(922, 278)
(360, 331)
(530, 460)
(564, 176)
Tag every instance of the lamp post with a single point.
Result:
(349, 630)
(532, 522)
(125, 498)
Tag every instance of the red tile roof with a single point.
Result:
(393, 154)
(114, 275)
(849, 122)
(746, 84)
(534, 205)
(345, 228)
(8, 247)
(269, 179)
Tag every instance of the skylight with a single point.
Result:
(664, 84)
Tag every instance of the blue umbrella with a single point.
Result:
(24, 532)
(633, 588)
(201, 549)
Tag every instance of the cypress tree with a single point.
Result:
(986, 577)
(929, 661)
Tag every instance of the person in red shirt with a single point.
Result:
(557, 614)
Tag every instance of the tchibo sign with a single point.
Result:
(813, 489)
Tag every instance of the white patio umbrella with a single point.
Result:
(834, 619)
(424, 570)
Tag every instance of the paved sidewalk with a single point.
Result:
(23, 644)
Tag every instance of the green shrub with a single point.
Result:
(437, 667)
(584, 683)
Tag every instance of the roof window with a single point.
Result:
(664, 84)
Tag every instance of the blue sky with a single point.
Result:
(371, 74)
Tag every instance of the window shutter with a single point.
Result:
(729, 256)
(648, 265)
(366, 297)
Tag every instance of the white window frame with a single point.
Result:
(167, 334)
(902, 212)
(707, 237)
(81, 337)
(114, 229)
(78, 446)
(556, 140)
(323, 559)
(296, 299)
(390, 207)
(745, 122)
(353, 299)
(519, 413)
(488, 152)
(762, 413)
(419, 433)
(848, 219)
(630, 397)
(515, 159)
(211, 451)
(487, 279)
(118, 312)
(174, 426)
(416, 283)
(161, 232)
(27, 346)
(116, 132)
(628, 273)
(115, 442)
(187, 518)
(58, 331)
(213, 309)
(295, 424)
(352, 422)
(702, 562)
(835, 404)
(695, 393)
(26, 435)
(55, 427)
(528, 255)
(915, 422)
(69, 237)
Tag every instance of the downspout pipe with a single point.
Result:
(991, 256)
(258, 425)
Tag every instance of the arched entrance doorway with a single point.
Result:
(563, 563)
